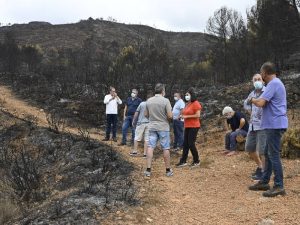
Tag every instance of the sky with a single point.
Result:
(169, 15)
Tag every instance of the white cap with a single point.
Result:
(227, 109)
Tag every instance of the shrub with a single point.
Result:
(56, 122)
(291, 144)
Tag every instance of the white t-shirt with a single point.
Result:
(111, 106)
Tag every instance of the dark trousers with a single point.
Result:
(272, 157)
(230, 139)
(111, 122)
(178, 133)
(190, 135)
(126, 124)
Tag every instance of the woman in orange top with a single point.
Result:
(191, 116)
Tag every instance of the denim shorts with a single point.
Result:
(256, 141)
(162, 136)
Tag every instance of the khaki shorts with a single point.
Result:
(141, 131)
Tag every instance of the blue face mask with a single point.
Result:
(258, 85)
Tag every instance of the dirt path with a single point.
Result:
(20, 108)
(215, 193)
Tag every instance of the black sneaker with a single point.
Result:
(133, 153)
(273, 192)
(257, 173)
(115, 139)
(259, 186)
(181, 164)
(194, 164)
(178, 149)
(122, 144)
(257, 177)
(105, 139)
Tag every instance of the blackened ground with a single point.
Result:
(60, 178)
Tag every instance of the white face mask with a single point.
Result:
(133, 95)
(187, 97)
(175, 98)
(229, 116)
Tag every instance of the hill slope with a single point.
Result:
(106, 34)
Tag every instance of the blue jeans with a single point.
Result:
(178, 133)
(272, 157)
(230, 139)
(126, 124)
(111, 121)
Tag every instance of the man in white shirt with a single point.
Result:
(111, 101)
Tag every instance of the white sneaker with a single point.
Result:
(147, 173)
(170, 173)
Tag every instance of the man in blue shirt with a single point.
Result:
(131, 105)
(178, 123)
(274, 122)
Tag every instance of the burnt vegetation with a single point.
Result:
(51, 176)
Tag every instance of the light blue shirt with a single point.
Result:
(274, 112)
(256, 112)
(142, 118)
(179, 105)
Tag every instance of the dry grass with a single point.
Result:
(294, 172)
(3, 100)
(150, 193)
(206, 161)
(245, 157)
(8, 210)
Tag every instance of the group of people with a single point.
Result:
(150, 121)
(267, 106)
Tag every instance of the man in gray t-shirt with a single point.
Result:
(159, 112)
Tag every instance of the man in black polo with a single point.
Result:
(237, 123)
